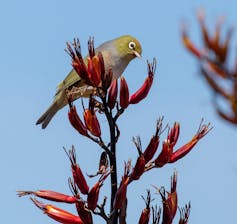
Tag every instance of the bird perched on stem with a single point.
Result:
(117, 54)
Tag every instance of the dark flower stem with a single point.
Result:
(112, 157)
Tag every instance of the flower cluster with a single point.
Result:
(213, 60)
(110, 97)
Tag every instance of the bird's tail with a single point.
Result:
(48, 115)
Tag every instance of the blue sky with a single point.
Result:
(33, 61)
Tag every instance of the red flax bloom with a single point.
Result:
(185, 149)
(145, 215)
(121, 193)
(141, 93)
(50, 195)
(77, 173)
(93, 70)
(168, 155)
(112, 95)
(77, 60)
(169, 201)
(154, 143)
(124, 93)
(139, 167)
(93, 194)
(76, 121)
(91, 120)
(58, 214)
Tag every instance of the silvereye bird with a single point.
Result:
(117, 54)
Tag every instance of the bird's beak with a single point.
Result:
(137, 54)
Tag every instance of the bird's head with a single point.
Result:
(128, 47)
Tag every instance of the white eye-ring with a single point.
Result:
(132, 45)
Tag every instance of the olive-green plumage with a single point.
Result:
(117, 54)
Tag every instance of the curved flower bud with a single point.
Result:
(58, 214)
(112, 95)
(77, 173)
(145, 215)
(93, 194)
(92, 122)
(169, 200)
(141, 93)
(164, 157)
(94, 70)
(154, 143)
(185, 149)
(121, 193)
(124, 93)
(76, 121)
(139, 168)
(50, 195)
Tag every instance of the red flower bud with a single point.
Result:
(173, 134)
(170, 201)
(124, 93)
(145, 215)
(50, 195)
(112, 96)
(77, 60)
(58, 214)
(76, 121)
(94, 71)
(151, 148)
(141, 93)
(164, 157)
(121, 193)
(139, 168)
(185, 149)
(154, 143)
(92, 122)
(77, 173)
(93, 194)
(83, 212)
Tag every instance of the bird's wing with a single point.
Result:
(70, 79)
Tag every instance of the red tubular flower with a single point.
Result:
(83, 212)
(139, 168)
(77, 173)
(50, 195)
(141, 93)
(94, 70)
(170, 202)
(92, 122)
(145, 215)
(77, 60)
(164, 157)
(76, 121)
(58, 214)
(185, 149)
(93, 194)
(173, 134)
(121, 193)
(112, 95)
(124, 93)
(154, 143)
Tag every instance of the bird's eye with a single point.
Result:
(132, 45)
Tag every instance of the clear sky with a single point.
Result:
(33, 61)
